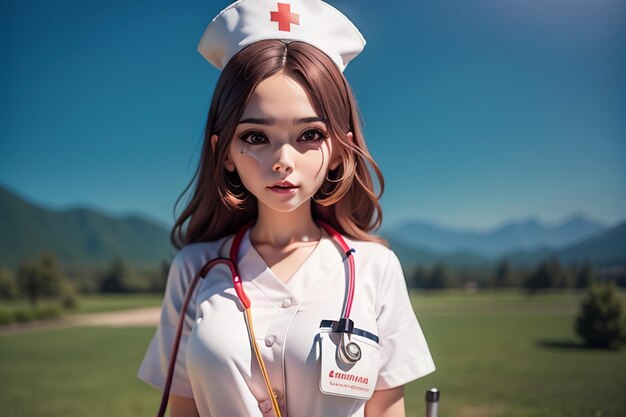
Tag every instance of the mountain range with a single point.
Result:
(78, 237)
(87, 237)
(576, 239)
(521, 235)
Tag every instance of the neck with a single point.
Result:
(282, 229)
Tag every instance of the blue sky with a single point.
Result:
(477, 112)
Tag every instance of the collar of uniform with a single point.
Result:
(253, 268)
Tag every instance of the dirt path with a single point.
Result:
(125, 318)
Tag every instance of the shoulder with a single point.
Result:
(368, 247)
(195, 255)
(375, 257)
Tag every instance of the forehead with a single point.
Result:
(280, 98)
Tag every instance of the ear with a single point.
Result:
(336, 160)
(229, 165)
(213, 142)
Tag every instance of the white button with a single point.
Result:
(269, 340)
(287, 303)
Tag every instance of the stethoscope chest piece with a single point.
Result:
(349, 353)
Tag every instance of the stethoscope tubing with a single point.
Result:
(336, 236)
(181, 320)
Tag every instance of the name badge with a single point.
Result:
(354, 380)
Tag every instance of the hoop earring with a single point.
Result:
(231, 183)
(326, 190)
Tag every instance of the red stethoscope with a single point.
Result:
(348, 351)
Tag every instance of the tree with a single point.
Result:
(8, 286)
(161, 277)
(599, 322)
(40, 278)
(584, 278)
(503, 277)
(438, 277)
(418, 278)
(548, 275)
(559, 277)
(117, 278)
(541, 278)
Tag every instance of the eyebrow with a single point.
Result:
(271, 122)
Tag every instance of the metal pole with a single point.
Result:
(432, 402)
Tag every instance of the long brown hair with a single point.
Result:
(220, 204)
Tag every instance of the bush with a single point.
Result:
(599, 322)
(6, 317)
(24, 314)
(47, 312)
(69, 297)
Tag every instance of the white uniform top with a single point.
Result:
(215, 364)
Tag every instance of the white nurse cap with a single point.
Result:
(311, 21)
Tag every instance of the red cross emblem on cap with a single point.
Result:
(284, 17)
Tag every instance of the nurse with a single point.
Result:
(284, 167)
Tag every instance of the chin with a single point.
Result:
(285, 206)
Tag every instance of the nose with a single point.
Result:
(284, 160)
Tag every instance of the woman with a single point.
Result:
(285, 167)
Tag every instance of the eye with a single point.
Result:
(253, 137)
(313, 135)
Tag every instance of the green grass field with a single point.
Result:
(96, 303)
(507, 354)
(497, 354)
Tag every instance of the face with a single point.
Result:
(281, 149)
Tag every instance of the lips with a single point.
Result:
(283, 187)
